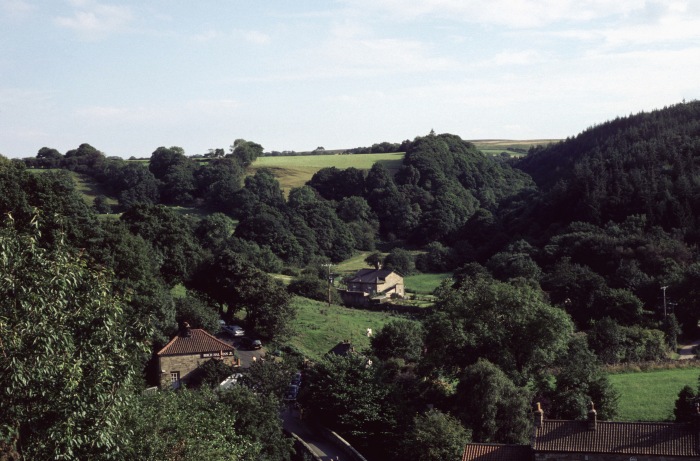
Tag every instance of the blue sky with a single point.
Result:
(130, 76)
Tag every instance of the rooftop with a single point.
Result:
(496, 452)
(370, 275)
(633, 438)
(198, 342)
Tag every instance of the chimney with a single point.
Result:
(539, 415)
(185, 331)
(592, 418)
(377, 265)
(538, 422)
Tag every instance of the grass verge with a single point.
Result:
(318, 328)
(651, 395)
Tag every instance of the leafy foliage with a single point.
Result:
(492, 406)
(68, 355)
(435, 436)
(190, 425)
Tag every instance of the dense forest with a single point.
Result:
(579, 254)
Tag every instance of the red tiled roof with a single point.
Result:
(198, 342)
(496, 452)
(660, 439)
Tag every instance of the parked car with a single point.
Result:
(291, 393)
(249, 343)
(296, 379)
(233, 330)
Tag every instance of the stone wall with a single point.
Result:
(185, 365)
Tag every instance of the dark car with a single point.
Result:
(249, 343)
(291, 393)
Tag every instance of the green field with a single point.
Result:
(424, 283)
(319, 328)
(295, 171)
(651, 395)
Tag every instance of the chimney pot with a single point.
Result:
(592, 418)
(539, 415)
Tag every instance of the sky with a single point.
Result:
(130, 76)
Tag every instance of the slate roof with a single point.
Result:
(629, 438)
(198, 342)
(370, 275)
(344, 349)
(496, 452)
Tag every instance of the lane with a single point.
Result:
(322, 448)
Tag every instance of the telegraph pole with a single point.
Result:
(330, 281)
(664, 290)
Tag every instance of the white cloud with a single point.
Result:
(256, 37)
(16, 8)
(95, 20)
(512, 13)
(140, 114)
(510, 58)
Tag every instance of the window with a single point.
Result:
(175, 379)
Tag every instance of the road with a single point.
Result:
(322, 448)
(686, 350)
(246, 356)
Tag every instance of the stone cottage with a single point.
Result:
(187, 351)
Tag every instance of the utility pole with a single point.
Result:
(664, 290)
(330, 281)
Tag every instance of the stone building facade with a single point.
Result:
(369, 286)
(181, 357)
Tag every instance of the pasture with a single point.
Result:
(424, 283)
(318, 328)
(651, 395)
(295, 171)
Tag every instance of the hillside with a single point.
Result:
(642, 164)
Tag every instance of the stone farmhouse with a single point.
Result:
(179, 359)
(593, 440)
(372, 286)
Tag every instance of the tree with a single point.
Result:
(509, 324)
(245, 151)
(269, 378)
(67, 355)
(374, 259)
(399, 339)
(578, 381)
(492, 406)
(134, 184)
(211, 373)
(435, 436)
(257, 420)
(312, 287)
(400, 260)
(185, 425)
(346, 395)
(214, 230)
(684, 410)
(231, 281)
(172, 237)
(197, 313)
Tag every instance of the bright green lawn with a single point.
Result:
(651, 395)
(424, 283)
(319, 328)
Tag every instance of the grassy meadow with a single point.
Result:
(651, 395)
(295, 171)
(318, 327)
